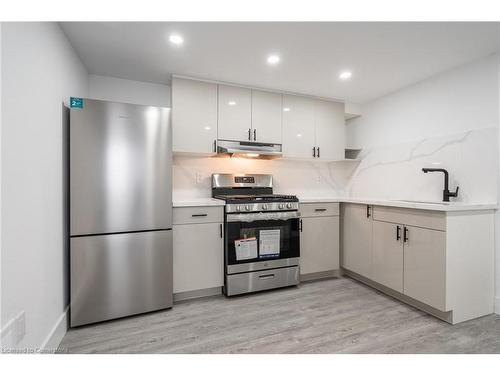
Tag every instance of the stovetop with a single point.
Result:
(249, 198)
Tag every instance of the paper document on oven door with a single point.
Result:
(269, 243)
(246, 248)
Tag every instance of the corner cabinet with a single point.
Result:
(194, 116)
(298, 127)
(198, 260)
(357, 237)
(441, 262)
(329, 130)
(313, 128)
(319, 240)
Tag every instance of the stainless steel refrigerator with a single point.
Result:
(120, 210)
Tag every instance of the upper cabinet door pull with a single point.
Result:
(255, 134)
(398, 232)
(249, 134)
(368, 214)
(318, 152)
(199, 215)
(215, 145)
(314, 152)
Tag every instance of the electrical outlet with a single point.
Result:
(199, 177)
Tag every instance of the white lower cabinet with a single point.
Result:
(198, 258)
(357, 228)
(388, 255)
(425, 266)
(319, 238)
(438, 261)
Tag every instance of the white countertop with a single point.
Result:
(450, 207)
(197, 202)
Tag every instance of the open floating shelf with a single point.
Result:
(352, 154)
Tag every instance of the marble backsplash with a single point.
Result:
(192, 175)
(388, 171)
(395, 171)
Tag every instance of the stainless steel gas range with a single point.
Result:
(261, 236)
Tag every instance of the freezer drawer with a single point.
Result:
(117, 275)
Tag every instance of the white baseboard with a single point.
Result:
(57, 333)
(497, 305)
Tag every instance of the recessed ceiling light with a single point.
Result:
(286, 109)
(345, 75)
(207, 128)
(232, 102)
(273, 59)
(176, 39)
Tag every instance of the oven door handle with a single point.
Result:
(261, 216)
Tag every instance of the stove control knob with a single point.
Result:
(281, 206)
(247, 207)
(289, 205)
(238, 208)
(265, 206)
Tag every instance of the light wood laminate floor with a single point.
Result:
(330, 316)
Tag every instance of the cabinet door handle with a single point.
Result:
(215, 145)
(314, 152)
(318, 151)
(368, 213)
(221, 233)
(300, 225)
(405, 235)
(255, 134)
(249, 134)
(320, 209)
(199, 215)
(398, 232)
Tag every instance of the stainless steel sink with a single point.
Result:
(423, 202)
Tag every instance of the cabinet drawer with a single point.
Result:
(319, 209)
(419, 218)
(193, 215)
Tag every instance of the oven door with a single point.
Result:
(257, 241)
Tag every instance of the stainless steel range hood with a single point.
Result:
(249, 149)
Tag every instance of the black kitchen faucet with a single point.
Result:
(446, 193)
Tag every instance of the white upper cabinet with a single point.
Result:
(194, 116)
(298, 126)
(266, 116)
(313, 128)
(330, 130)
(203, 112)
(235, 111)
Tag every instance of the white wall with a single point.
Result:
(497, 222)
(40, 71)
(127, 91)
(450, 120)
(456, 101)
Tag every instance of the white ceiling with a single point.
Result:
(382, 56)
